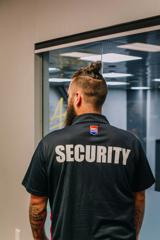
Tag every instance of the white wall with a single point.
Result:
(22, 23)
(150, 229)
(62, 17)
(115, 108)
(16, 115)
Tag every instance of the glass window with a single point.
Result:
(131, 67)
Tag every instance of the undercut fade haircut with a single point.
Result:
(93, 84)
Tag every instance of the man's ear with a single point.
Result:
(78, 99)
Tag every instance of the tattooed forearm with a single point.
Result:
(139, 214)
(139, 210)
(37, 216)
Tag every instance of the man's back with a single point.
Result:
(91, 170)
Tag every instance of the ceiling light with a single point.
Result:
(76, 54)
(62, 80)
(141, 47)
(110, 58)
(92, 58)
(140, 88)
(116, 75)
(59, 80)
(117, 83)
(114, 57)
(53, 69)
(156, 80)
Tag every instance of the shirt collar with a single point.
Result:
(90, 117)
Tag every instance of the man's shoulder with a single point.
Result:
(65, 134)
(57, 134)
(123, 134)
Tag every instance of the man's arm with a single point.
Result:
(139, 210)
(37, 216)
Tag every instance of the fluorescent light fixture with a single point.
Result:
(117, 83)
(62, 80)
(116, 75)
(156, 80)
(92, 58)
(110, 58)
(59, 80)
(53, 69)
(76, 54)
(141, 47)
(140, 88)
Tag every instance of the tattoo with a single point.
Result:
(139, 211)
(37, 216)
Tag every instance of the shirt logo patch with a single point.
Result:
(93, 130)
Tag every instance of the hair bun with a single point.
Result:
(92, 70)
(95, 67)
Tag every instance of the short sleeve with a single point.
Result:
(35, 180)
(143, 177)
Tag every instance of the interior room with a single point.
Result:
(131, 70)
(34, 80)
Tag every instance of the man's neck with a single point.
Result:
(84, 111)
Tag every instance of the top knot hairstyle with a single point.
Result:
(92, 83)
(92, 70)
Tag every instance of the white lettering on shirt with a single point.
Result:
(60, 155)
(78, 153)
(125, 153)
(92, 153)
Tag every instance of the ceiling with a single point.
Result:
(144, 72)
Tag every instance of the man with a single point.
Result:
(93, 174)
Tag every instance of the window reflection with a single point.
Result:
(133, 77)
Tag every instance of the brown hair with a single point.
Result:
(93, 84)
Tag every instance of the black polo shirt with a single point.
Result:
(89, 171)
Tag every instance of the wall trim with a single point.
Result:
(124, 27)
